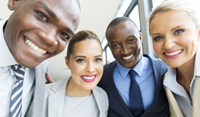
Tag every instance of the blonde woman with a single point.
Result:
(175, 33)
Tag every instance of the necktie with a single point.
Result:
(135, 98)
(16, 96)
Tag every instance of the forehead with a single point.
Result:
(66, 11)
(87, 47)
(171, 19)
(122, 30)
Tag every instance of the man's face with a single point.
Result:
(39, 29)
(124, 41)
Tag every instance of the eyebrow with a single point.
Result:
(86, 57)
(176, 27)
(98, 56)
(52, 14)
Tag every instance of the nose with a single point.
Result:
(90, 67)
(169, 43)
(124, 49)
(49, 36)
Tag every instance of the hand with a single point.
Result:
(48, 79)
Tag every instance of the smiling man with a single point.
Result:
(134, 81)
(35, 31)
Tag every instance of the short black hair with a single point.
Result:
(119, 20)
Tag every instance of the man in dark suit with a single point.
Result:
(124, 40)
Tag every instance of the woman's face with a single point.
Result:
(175, 37)
(86, 64)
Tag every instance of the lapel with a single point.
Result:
(97, 96)
(56, 98)
(157, 85)
(114, 89)
(173, 105)
(36, 108)
(196, 97)
(174, 109)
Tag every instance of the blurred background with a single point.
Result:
(95, 16)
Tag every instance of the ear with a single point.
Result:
(67, 62)
(140, 37)
(198, 34)
(12, 4)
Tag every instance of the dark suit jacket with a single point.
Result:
(117, 106)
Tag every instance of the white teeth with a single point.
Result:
(34, 47)
(128, 57)
(173, 53)
(88, 77)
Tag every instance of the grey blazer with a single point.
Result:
(55, 94)
(36, 106)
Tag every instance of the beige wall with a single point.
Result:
(4, 11)
(95, 16)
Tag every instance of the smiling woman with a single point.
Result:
(84, 59)
(175, 33)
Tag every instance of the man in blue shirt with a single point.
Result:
(125, 42)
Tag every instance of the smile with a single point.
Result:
(127, 57)
(88, 78)
(174, 53)
(34, 47)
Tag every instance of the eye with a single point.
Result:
(131, 40)
(115, 45)
(179, 31)
(98, 60)
(157, 38)
(65, 36)
(80, 60)
(42, 16)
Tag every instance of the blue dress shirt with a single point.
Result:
(144, 77)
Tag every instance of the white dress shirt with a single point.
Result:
(7, 79)
(178, 91)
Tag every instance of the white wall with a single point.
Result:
(95, 16)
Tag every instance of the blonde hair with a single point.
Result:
(175, 5)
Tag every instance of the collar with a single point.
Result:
(6, 58)
(197, 62)
(123, 71)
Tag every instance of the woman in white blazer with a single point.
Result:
(78, 95)
(175, 32)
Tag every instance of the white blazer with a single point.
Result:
(55, 94)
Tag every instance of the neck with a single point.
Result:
(73, 90)
(186, 71)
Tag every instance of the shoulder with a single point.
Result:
(54, 87)
(157, 63)
(102, 95)
(110, 65)
(100, 91)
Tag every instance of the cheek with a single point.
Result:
(186, 41)
(100, 68)
(76, 69)
(61, 45)
(157, 47)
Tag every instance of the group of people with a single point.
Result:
(134, 85)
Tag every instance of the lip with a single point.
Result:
(88, 80)
(174, 56)
(30, 50)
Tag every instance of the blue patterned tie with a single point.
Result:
(16, 97)
(135, 98)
